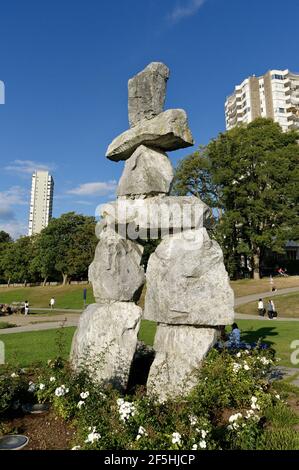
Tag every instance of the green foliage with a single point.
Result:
(251, 175)
(278, 439)
(13, 387)
(232, 407)
(65, 248)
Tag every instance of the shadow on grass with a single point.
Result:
(252, 336)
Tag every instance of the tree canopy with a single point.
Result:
(251, 175)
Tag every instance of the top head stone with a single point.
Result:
(147, 92)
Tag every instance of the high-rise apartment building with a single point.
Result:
(41, 201)
(273, 95)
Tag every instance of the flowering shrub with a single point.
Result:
(13, 387)
(230, 407)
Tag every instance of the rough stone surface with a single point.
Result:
(179, 352)
(147, 171)
(147, 92)
(155, 217)
(187, 283)
(167, 131)
(106, 340)
(116, 273)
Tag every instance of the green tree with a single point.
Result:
(250, 174)
(4, 237)
(16, 259)
(66, 246)
(256, 168)
(193, 176)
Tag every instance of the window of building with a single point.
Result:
(291, 254)
(277, 77)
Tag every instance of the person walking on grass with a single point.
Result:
(26, 307)
(52, 303)
(260, 307)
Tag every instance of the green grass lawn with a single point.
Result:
(244, 287)
(277, 334)
(25, 348)
(65, 296)
(286, 305)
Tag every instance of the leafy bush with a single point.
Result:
(233, 406)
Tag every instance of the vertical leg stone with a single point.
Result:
(106, 340)
(179, 353)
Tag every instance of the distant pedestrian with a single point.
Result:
(274, 313)
(270, 309)
(26, 307)
(52, 302)
(261, 308)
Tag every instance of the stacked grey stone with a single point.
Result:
(188, 292)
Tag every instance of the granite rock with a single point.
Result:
(106, 340)
(147, 171)
(167, 131)
(155, 217)
(179, 353)
(116, 273)
(147, 92)
(187, 283)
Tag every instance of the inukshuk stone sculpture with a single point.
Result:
(187, 286)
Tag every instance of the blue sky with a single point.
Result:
(65, 65)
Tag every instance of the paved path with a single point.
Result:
(38, 327)
(72, 314)
(250, 298)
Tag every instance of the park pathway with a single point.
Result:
(251, 298)
(70, 317)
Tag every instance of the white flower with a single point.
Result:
(141, 432)
(52, 379)
(238, 354)
(14, 375)
(80, 403)
(234, 417)
(265, 361)
(84, 395)
(76, 447)
(31, 387)
(193, 420)
(236, 367)
(176, 438)
(93, 436)
(204, 433)
(194, 447)
(202, 444)
(42, 386)
(246, 367)
(61, 391)
(229, 427)
(254, 404)
(277, 396)
(125, 409)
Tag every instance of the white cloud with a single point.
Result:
(15, 228)
(181, 11)
(27, 167)
(13, 196)
(100, 188)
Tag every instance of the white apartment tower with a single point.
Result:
(273, 95)
(41, 201)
